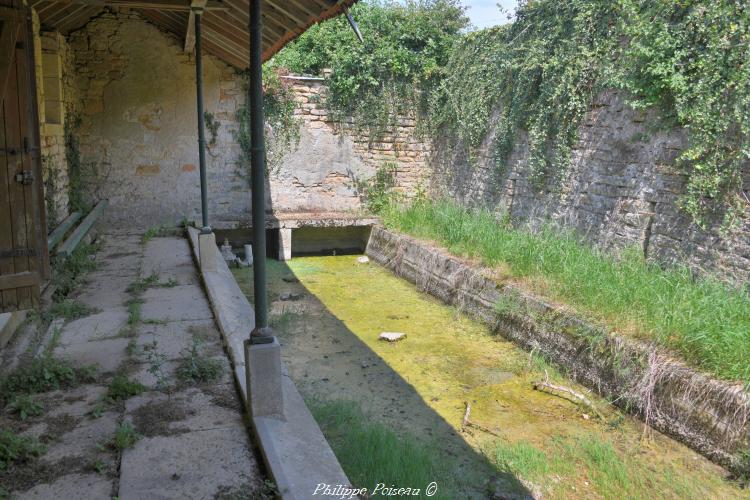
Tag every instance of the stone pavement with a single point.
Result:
(192, 438)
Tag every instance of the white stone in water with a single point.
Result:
(392, 336)
(364, 259)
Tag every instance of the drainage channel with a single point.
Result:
(396, 412)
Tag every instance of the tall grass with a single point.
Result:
(592, 464)
(703, 320)
(371, 453)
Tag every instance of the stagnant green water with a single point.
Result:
(329, 321)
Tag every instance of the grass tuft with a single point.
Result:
(122, 388)
(43, 374)
(14, 448)
(195, 367)
(702, 320)
(125, 436)
(25, 406)
(68, 309)
(371, 453)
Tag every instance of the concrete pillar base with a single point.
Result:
(285, 243)
(263, 372)
(207, 251)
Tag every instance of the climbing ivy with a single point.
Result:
(282, 126)
(692, 58)
(406, 47)
(689, 58)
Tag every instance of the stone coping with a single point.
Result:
(295, 452)
(294, 220)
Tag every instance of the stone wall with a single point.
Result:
(49, 46)
(137, 125)
(340, 154)
(132, 107)
(622, 189)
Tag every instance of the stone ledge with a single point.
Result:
(711, 416)
(296, 454)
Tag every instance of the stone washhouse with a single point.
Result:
(132, 107)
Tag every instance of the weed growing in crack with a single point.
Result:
(69, 310)
(122, 388)
(156, 360)
(14, 449)
(43, 374)
(25, 406)
(125, 436)
(195, 367)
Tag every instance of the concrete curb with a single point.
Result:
(295, 452)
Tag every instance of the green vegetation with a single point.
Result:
(43, 374)
(125, 436)
(122, 388)
(151, 281)
(688, 60)
(15, 448)
(68, 309)
(162, 231)
(377, 191)
(25, 406)
(372, 453)
(279, 106)
(405, 50)
(586, 464)
(134, 311)
(68, 274)
(702, 320)
(195, 367)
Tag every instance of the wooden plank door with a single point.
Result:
(23, 257)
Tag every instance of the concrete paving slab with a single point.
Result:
(195, 409)
(70, 487)
(196, 465)
(165, 254)
(174, 337)
(86, 438)
(105, 292)
(95, 327)
(141, 374)
(184, 302)
(76, 402)
(107, 354)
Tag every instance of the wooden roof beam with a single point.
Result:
(195, 6)
(152, 4)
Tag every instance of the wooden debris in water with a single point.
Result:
(466, 423)
(546, 386)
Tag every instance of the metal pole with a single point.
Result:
(261, 333)
(201, 120)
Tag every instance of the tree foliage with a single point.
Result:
(405, 50)
(539, 75)
(690, 58)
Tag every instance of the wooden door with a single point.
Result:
(24, 260)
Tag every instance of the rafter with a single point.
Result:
(195, 6)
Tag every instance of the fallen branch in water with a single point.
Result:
(465, 423)
(545, 386)
(466, 415)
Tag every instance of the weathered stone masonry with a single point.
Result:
(129, 98)
(320, 174)
(622, 189)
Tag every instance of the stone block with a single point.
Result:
(207, 251)
(263, 373)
